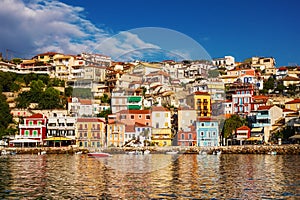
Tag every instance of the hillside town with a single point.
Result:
(90, 101)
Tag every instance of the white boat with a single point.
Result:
(172, 152)
(4, 152)
(78, 152)
(99, 154)
(146, 152)
(202, 153)
(43, 153)
(272, 153)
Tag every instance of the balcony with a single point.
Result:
(262, 116)
(260, 125)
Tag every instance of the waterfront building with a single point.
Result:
(137, 134)
(259, 100)
(290, 80)
(115, 134)
(161, 126)
(207, 132)
(228, 108)
(243, 133)
(266, 118)
(61, 130)
(201, 102)
(187, 136)
(90, 132)
(34, 128)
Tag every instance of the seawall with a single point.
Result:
(293, 149)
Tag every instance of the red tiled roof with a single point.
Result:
(293, 101)
(205, 119)
(264, 107)
(140, 125)
(243, 128)
(290, 78)
(85, 101)
(36, 116)
(135, 112)
(260, 97)
(129, 128)
(282, 68)
(201, 93)
(89, 120)
(158, 108)
(287, 110)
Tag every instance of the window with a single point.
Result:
(27, 133)
(166, 124)
(166, 114)
(140, 116)
(209, 134)
(39, 122)
(202, 124)
(157, 115)
(35, 133)
(202, 133)
(147, 116)
(182, 136)
(212, 124)
(30, 123)
(123, 116)
(138, 129)
(190, 136)
(214, 133)
(157, 125)
(131, 116)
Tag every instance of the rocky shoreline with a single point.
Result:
(293, 149)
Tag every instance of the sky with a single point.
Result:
(192, 29)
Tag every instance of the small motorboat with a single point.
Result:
(78, 152)
(172, 152)
(99, 154)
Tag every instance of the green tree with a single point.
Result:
(231, 124)
(16, 60)
(68, 91)
(5, 116)
(105, 98)
(269, 84)
(104, 114)
(50, 99)
(23, 100)
(36, 90)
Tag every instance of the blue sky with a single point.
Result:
(239, 28)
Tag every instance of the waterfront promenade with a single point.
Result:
(293, 149)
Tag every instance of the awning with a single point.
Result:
(57, 139)
(254, 139)
(24, 141)
(134, 99)
(295, 136)
(257, 129)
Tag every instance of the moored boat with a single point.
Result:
(172, 152)
(99, 154)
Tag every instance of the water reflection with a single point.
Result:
(150, 177)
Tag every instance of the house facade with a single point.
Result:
(201, 102)
(34, 127)
(207, 132)
(161, 126)
(90, 132)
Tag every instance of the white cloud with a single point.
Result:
(40, 26)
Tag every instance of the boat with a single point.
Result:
(138, 152)
(202, 152)
(272, 153)
(43, 153)
(217, 152)
(99, 154)
(78, 152)
(172, 152)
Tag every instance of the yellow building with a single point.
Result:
(161, 136)
(90, 132)
(201, 102)
(293, 105)
(46, 57)
(115, 134)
